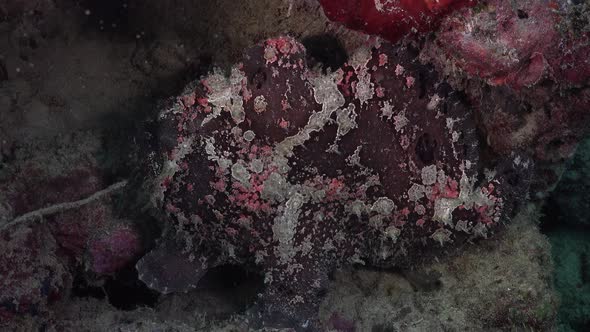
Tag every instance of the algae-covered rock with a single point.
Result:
(493, 286)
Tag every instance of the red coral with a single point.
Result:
(515, 44)
(391, 19)
(501, 43)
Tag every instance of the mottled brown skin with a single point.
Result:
(334, 204)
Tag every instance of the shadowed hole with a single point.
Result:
(325, 50)
(233, 283)
(522, 14)
(259, 78)
(123, 291)
(126, 292)
(425, 148)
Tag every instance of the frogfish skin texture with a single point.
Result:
(292, 173)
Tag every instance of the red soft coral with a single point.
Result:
(391, 19)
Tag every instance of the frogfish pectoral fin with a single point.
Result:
(167, 270)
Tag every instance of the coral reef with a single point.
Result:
(392, 20)
(354, 199)
(32, 275)
(293, 173)
(525, 68)
(516, 44)
(494, 286)
(56, 221)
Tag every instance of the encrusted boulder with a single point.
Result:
(524, 66)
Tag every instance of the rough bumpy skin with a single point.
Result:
(293, 173)
(523, 64)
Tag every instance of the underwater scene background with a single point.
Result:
(295, 165)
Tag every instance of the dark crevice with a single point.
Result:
(551, 219)
(226, 276)
(425, 149)
(235, 283)
(81, 288)
(126, 292)
(382, 328)
(259, 78)
(3, 71)
(424, 281)
(326, 51)
(422, 82)
(522, 14)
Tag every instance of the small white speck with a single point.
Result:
(87, 12)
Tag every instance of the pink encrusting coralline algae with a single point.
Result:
(292, 173)
(525, 67)
(516, 44)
